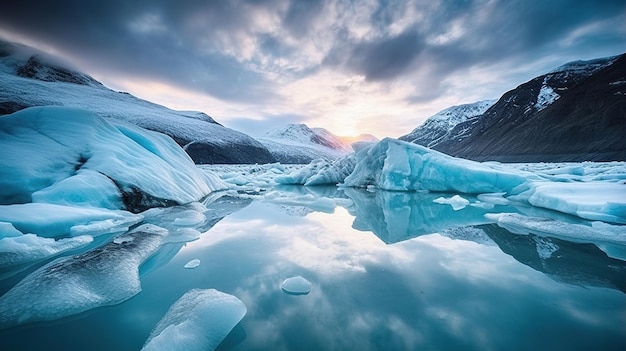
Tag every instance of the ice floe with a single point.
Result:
(296, 286)
(70, 285)
(192, 264)
(199, 320)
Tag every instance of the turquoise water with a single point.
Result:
(437, 279)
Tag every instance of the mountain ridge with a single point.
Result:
(576, 112)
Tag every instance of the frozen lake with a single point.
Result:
(387, 271)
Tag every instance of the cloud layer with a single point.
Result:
(352, 66)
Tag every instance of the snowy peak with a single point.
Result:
(302, 134)
(440, 126)
(297, 143)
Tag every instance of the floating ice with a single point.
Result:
(601, 201)
(51, 220)
(192, 264)
(457, 202)
(396, 165)
(70, 285)
(296, 286)
(199, 320)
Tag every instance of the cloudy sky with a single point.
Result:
(377, 67)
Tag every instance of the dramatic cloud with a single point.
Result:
(349, 64)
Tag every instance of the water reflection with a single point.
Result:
(415, 289)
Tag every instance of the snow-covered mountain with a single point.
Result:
(576, 112)
(29, 77)
(440, 126)
(297, 143)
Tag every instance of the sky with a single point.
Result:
(378, 67)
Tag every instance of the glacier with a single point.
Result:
(199, 320)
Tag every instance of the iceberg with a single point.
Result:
(457, 202)
(199, 320)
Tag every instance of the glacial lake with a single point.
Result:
(388, 271)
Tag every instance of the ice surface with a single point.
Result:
(602, 201)
(30, 247)
(199, 320)
(296, 286)
(193, 263)
(70, 285)
(48, 150)
(457, 202)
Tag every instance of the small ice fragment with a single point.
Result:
(296, 286)
(456, 202)
(193, 263)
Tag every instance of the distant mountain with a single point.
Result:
(577, 112)
(31, 78)
(440, 127)
(297, 143)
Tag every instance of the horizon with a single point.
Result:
(370, 68)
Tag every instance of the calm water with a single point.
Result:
(394, 283)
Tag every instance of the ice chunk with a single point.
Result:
(199, 320)
(70, 285)
(494, 198)
(457, 202)
(193, 263)
(296, 286)
(396, 165)
(50, 220)
(30, 247)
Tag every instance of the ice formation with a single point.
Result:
(199, 320)
(70, 285)
(296, 286)
(457, 202)
(594, 192)
(192, 264)
(72, 156)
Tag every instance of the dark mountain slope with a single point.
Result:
(575, 113)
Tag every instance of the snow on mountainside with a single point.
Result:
(32, 78)
(297, 143)
(439, 127)
(576, 112)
